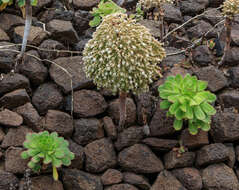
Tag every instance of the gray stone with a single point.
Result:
(87, 130)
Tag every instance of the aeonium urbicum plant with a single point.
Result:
(45, 148)
(186, 99)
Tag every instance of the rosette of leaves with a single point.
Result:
(105, 7)
(186, 99)
(45, 148)
(123, 57)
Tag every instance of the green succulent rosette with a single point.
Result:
(46, 148)
(186, 99)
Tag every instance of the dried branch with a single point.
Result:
(198, 40)
(193, 18)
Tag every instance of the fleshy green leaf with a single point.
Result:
(208, 109)
(31, 164)
(35, 159)
(21, 3)
(32, 152)
(165, 104)
(202, 85)
(34, 2)
(205, 127)
(189, 113)
(179, 114)
(47, 159)
(56, 162)
(199, 113)
(192, 129)
(174, 107)
(95, 22)
(24, 155)
(178, 124)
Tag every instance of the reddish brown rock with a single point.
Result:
(79, 159)
(100, 155)
(33, 69)
(145, 105)
(121, 187)
(225, 127)
(7, 58)
(10, 20)
(173, 160)
(3, 36)
(42, 183)
(215, 78)
(14, 99)
(36, 35)
(129, 137)
(166, 181)
(160, 144)
(47, 96)
(219, 177)
(189, 177)
(62, 31)
(30, 115)
(2, 134)
(212, 153)
(85, 4)
(6, 179)
(51, 45)
(111, 176)
(75, 180)
(10, 118)
(194, 141)
(113, 111)
(229, 98)
(87, 130)
(11, 82)
(60, 122)
(88, 103)
(15, 136)
(137, 180)
(161, 124)
(140, 159)
(110, 127)
(13, 161)
(74, 65)
(232, 155)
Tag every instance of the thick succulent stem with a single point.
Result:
(28, 23)
(122, 109)
(55, 173)
(161, 16)
(228, 25)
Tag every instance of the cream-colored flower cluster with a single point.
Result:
(148, 4)
(122, 56)
(230, 8)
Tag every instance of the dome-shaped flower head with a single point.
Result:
(122, 56)
(230, 8)
(148, 4)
